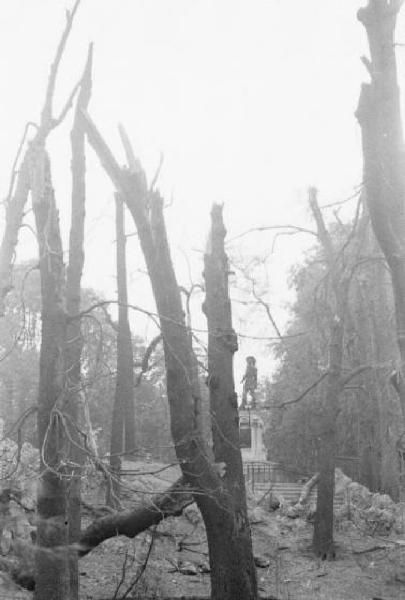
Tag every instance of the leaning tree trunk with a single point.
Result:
(146, 208)
(379, 117)
(52, 564)
(228, 529)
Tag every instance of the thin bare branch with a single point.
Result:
(355, 373)
(295, 228)
(302, 396)
(267, 309)
(358, 191)
(113, 324)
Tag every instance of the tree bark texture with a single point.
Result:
(123, 415)
(323, 525)
(146, 207)
(74, 404)
(52, 566)
(14, 216)
(125, 358)
(228, 529)
(170, 503)
(379, 117)
(34, 175)
(130, 523)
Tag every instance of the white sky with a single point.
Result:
(250, 101)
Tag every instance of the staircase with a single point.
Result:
(290, 492)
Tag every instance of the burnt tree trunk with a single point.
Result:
(228, 528)
(379, 117)
(146, 207)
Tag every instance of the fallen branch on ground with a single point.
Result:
(170, 503)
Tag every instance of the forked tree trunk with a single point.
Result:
(211, 494)
(379, 116)
(228, 528)
(51, 557)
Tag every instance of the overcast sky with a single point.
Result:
(249, 101)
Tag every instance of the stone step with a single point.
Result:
(291, 491)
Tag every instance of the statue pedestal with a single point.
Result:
(251, 436)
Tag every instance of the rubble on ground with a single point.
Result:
(372, 513)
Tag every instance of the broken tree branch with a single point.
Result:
(170, 503)
(47, 121)
(144, 363)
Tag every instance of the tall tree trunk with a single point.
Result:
(379, 117)
(123, 415)
(125, 357)
(51, 558)
(323, 525)
(228, 529)
(52, 564)
(74, 401)
(146, 207)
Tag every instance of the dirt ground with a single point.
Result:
(367, 567)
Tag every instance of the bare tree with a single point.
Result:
(340, 270)
(235, 557)
(52, 567)
(59, 377)
(323, 526)
(211, 494)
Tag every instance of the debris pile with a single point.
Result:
(375, 514)
(372, 513)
